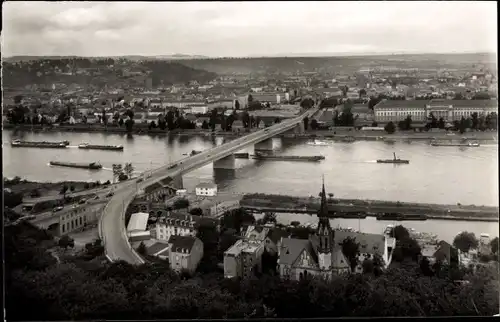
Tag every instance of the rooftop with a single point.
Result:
(207, 185)
(182, 243)
(402, 104)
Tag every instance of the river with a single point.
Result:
(446, 175)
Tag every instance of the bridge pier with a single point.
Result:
(266, 145)
(177, 182)
(299, 128)
(228, 162)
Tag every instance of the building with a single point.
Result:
(321, 254)
(454, 110)
(158, 191)
(77, 218)
(268, 235)
(175, 224)
(394, 111)
(137, 225)
(185, 253)
(484, 245)
(271, 98)
(206, 190)
(243, 259)
(238, 126)
(160, 250)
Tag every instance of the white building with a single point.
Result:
(206, 190)
(175, 224)
(136, 228)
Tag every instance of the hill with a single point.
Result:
(71, 70)
(344, 63)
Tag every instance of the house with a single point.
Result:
(441, 252)
(175, 224)
(206, 189)
(269, 236)
(238, 126)
(139, 118)
(159, 250)
(137, 225)
(185, 253)
(92, 119)
(243, 259)
(158, 191)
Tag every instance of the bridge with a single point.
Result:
(112, 222)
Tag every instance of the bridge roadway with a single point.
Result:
(112, 222)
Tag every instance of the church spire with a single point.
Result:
(323, 210)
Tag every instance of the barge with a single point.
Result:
(242, 155)
(89, 166)
(313, 158)
(464, 144)
(87, 146)
(399, 216)
(43, 144)
(394, 160)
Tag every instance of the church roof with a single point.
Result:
(368, 243)
(291, 249)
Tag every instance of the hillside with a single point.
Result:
(99, 72)
(335, 64)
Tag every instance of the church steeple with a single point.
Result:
(324, 232)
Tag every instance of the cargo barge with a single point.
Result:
(43, 144)
(313, 158)
(89, 166)
(394, 160)
(400, 216)
(87, 146)
(242, 155)
(464, 144)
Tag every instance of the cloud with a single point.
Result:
(245, 28)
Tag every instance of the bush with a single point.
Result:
(181, 204)
(86, 185)
(12, 199)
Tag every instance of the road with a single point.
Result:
(50, 215)
(112, 223)
(100, 190)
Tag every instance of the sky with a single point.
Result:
(242, 29)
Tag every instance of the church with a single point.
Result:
(321, 254)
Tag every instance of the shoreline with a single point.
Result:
(490, 137)
(433, 211)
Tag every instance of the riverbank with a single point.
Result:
(45, 189)
(433, 211)
(337, 134)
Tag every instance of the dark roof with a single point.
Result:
(156, 247)
(466, 103)
(368, 243)
(155, 186)
(181, 242)
(402, 104)
(276, 234)
(291, 249)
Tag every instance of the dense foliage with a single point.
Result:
(88, 288)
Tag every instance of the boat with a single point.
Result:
(261, 156)
(394, 160)
(349, 139)
(390, 216)
(464, 144)
(242, 155)
(90, 166)
(390, 141)
(317, 142)
(87, 146)
(43, 144)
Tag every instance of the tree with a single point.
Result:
(63, 191)
(494, 245)
(66, 242)
(72, 188)
(117, 170)
(128, 169)
(237, 105)
(205, 125)
(306, 123)
(399, 232)
(269, 217)
(374, 124)
(465, 241)
(129, 125)
(441, 123)
(350, 249)
(250, 99)
(314, 124)
(181, 203)
(390, 128)
(373, 101)
(196, 212)
(408, 123)
(142, 249)
(12, 199)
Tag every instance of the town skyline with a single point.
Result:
(230, 30)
